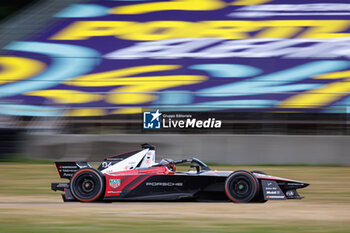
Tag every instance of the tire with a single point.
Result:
(88, 185)
(259, 172)
(260, 196)
(241, 187)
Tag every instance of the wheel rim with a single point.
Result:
(241, 188)
(86, 186)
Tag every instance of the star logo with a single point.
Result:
(156, 115)
(151, 120)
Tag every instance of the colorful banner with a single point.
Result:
(116, 57)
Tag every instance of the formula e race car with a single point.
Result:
(135, 176)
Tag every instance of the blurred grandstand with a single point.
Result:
(76, 73)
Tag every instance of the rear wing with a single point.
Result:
(129, 160)
(66, 169)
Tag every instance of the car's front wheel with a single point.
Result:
(241, 187)
(88, 185)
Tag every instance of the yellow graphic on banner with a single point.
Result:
(67, 96)
(136, 90)
(13, 69)
(131, 93)
(321, 96)
(83, 30)
(159, 30)
(127, 111)
(84, 112)
(181, 5)
(184, 5)
(226, 29)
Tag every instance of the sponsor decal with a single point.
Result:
(67, 175)
(114, 192)
(271, 190)
(275, 197)
(114, 183)
(290, 193)
(68, 170)
(164, 184)
(295, 184)
(114, 159)
(74, 167)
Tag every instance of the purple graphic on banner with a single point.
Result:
(116, 57)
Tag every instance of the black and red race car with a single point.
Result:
(134, 176)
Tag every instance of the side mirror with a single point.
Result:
(196, 166)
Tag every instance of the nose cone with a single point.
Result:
(298, 185)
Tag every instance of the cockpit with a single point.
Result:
(193, 162)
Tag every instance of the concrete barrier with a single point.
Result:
(230, 149)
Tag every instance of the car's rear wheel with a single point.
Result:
(88, 185)
(241, 187)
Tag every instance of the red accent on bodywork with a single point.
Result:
(57, 170)
(132, 178)
(136, 182)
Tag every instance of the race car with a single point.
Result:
(135, 176)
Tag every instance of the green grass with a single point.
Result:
(28, 205)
